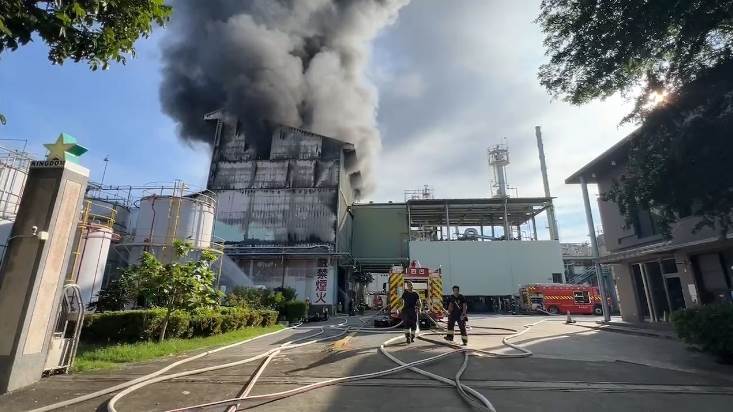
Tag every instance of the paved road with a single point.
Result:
(573, 368)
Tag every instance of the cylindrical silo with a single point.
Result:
(196, 221)
(92, 260)
(161, 220)
(13, 174)
(113, 209)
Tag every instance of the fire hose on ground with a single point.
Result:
(466, 392)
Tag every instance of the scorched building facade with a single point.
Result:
(283, 208)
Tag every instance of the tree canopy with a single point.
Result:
(177, 285)
(681, 157)
(682, 161)
(95, 31)
(600, 47)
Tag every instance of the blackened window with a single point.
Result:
(557, 278)
(669, 266)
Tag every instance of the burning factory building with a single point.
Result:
(283, 208)
(283, 192)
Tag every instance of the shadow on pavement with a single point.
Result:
(563, 354)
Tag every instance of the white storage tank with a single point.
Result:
(6, 226)
(13, 174)
(164, 219)
(104, 207)
(92, 260)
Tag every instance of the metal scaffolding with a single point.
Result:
(441, 219)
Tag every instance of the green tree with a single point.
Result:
(683, 50)
(680, 164)
(96, 31)
(177, 285)
(114, 297)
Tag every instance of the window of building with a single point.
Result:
(581, 297)
(557, 278)
(669, 266)
(645, 223)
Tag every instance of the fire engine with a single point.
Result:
(561, 298)
(426, 282)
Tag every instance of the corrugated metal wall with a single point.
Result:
(290, 197)
(278, 216)
(380, 232)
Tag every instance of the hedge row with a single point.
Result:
(294, 310)
(709, 326)
(139, 325)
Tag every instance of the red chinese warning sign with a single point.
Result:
(321, 292)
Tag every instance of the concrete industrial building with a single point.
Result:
(655, 274)
(283, 209)
(465, 239)
(288, 216)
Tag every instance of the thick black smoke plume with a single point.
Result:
(295, 62)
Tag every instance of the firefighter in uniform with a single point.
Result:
(410, 309)
(457, 309)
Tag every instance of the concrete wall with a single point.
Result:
(33, 274)
(627, 289)
(618, 236)
(490, 268)
(380, 232)
(625, 292)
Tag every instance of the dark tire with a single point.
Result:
(598, 310)
(553, 309)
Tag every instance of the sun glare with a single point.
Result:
(657, 97)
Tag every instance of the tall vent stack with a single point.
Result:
(551, 220)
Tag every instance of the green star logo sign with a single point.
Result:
(65, 149)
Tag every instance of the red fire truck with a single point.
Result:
(561, 298)
(426, 282)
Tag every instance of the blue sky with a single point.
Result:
(449, 87)
(114, 112)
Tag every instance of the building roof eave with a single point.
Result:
(661, 247)
(602, 162)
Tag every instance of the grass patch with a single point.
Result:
(91, 357)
